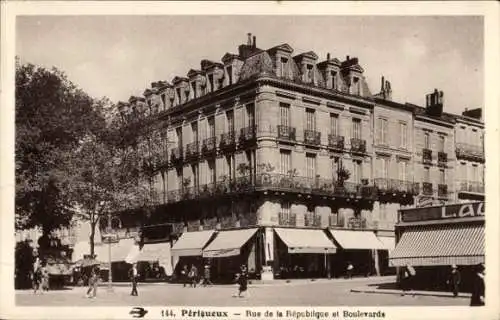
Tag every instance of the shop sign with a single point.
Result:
(356, 223)
(454, 211)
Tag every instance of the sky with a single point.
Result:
(119, 56)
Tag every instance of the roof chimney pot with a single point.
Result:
(249, 40)
(254, 44)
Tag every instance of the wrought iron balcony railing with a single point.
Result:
(192, 150)
(247, 134)
(312, 220)
(176, 156)
(358, 145)
(396, 186)
(471, 186)
(287, 219)
(227, 140)
(336, 142)
(286, 133)
(426, 155)
(312, 137)
(207, 190)
(469, 152)
(442, 190)
(427, 188)
(208, 146)
(442, 158)
(174, 196)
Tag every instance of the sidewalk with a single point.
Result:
(410, 292)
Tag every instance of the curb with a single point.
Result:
(412, 293)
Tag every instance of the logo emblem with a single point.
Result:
(138, 312)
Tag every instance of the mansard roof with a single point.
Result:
(177, 80)
(208, 64)
(194, 72)
(229, 56)
(310, 54)
(257, 64)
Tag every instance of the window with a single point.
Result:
(357, 174)
(285, 114)
(310, 120)
(311, 165)
(179, 97)
(229, 71)
(427, 143)
(229, 167)
(427, 175)
(441, 143)
(230, 120)
(285, 161)
(178, 134)
(356, 86)
(334, 80)
(356, 128)
(463, 171)
(382, 133)
(196, 176)
(334, 124)
(335, 167)
(193, 89)
(309, 76)
(211, 171)
(211, 127)
(163, 100)
(442, 178)
(283, 68)
(250, 114)
(384, 164)
(285, 208)
(211, 82)
(403, 133)
(475, 173)
(179, 179)
(194, 128)
(402, 170)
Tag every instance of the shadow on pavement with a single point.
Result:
(385, 285)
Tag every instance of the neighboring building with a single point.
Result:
(266, 141)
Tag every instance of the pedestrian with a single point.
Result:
(193, 276)
(134, 275)
(36, 277)
(44, 278)
(454, 280)
(93, 279)
(350, 270)
(477, 298)
(408, 276)
(184, 275)
(242, 280)
(206, 276)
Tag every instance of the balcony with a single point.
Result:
(190, 193)
(395, 186)
(427, 156)
(174, 196)
(336, 142)
(286, 133)
(469, 152)
(192, 151)
(206, 190)
(312, 220)
(227, 141)
(247, 135)
(208, 147)
(442, 191)
(358, 145)
(312, 137)
(471, 186)
(442, 159)
(427, 189)
(287, 219)
(176, 156)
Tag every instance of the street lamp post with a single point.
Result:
(109, 236)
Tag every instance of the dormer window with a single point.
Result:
(163, 100)
(334, 80)
(309, 73)
(355, 85)
(220, 83)
(211, 82)
(283, 69)
(193, 88)
(229, 71)
(179, 96)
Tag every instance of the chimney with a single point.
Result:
(249, 40)
(346, 58)
(254, 44)
(434, 103)
(328, 56)
(382, 85)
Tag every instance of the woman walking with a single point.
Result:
(242, 279)
(92, 291)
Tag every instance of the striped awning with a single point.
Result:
(306, 241)
(357, 239)
(192, 243)
(228, 243)
(434, 245)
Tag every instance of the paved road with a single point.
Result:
(321, 293)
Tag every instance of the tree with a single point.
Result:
(52, 116)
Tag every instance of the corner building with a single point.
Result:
(290, 159)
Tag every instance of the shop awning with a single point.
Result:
(306, 241)
(192, 243)
(228, 243)
(388, 242)
(160, 252)
(434, 245)
(357, 240)
(119, 250)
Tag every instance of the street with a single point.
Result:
(298, 293)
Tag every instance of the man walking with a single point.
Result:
(454, 280)
(94, 276)
(206, 276)
(133, 275)
(477, 298)
(193, 276)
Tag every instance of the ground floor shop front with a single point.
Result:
(435, 240)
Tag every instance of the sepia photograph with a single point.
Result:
(250, 160)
